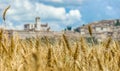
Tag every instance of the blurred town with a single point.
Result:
(100, 30)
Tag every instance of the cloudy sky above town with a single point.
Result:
(58, 13)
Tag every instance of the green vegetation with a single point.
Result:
(69, 28)
(91, 40)
(117, 23)
(76, 30)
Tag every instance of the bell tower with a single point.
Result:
(37, 20)
(37, 23)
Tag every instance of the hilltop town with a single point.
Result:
(100, 30)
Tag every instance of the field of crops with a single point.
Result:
(34, 55)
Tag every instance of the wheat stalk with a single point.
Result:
(108, 42)
(4, 13)
(66, 43)
(55, 57)
(90, 30)
(49, 59)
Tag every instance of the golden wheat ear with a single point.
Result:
(90, 30)
(4, 12)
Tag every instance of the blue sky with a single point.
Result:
(59, 13)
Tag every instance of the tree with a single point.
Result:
(83, 25)
(77, 30)
(117, 23)
(69, 28)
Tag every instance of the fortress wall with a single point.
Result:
(25, 34)
(68, 34)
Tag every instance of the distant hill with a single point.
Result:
(102, 29)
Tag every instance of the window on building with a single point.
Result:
(25, 26)
(82, 33)
(35, 25)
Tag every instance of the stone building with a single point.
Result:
(39, 29)
(37, 26)
(102, 29)
(32, 30)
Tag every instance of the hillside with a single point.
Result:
(102, 29)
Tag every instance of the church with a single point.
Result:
(37, 26)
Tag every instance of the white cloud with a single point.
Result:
(10, 25)
(73, 1)
(25, 11)
(57, 0)
(64, 1)
(110, 11)
(50, 12)
(19, 27)
(109, 7)
(2, 6)
(74, 14)
(55, 26)
(74, 4)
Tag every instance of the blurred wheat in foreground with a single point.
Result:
(34, 55)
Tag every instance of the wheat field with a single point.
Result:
(34, 55)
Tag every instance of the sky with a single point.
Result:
(58, 13)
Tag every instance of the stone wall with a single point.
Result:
(29, 34)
